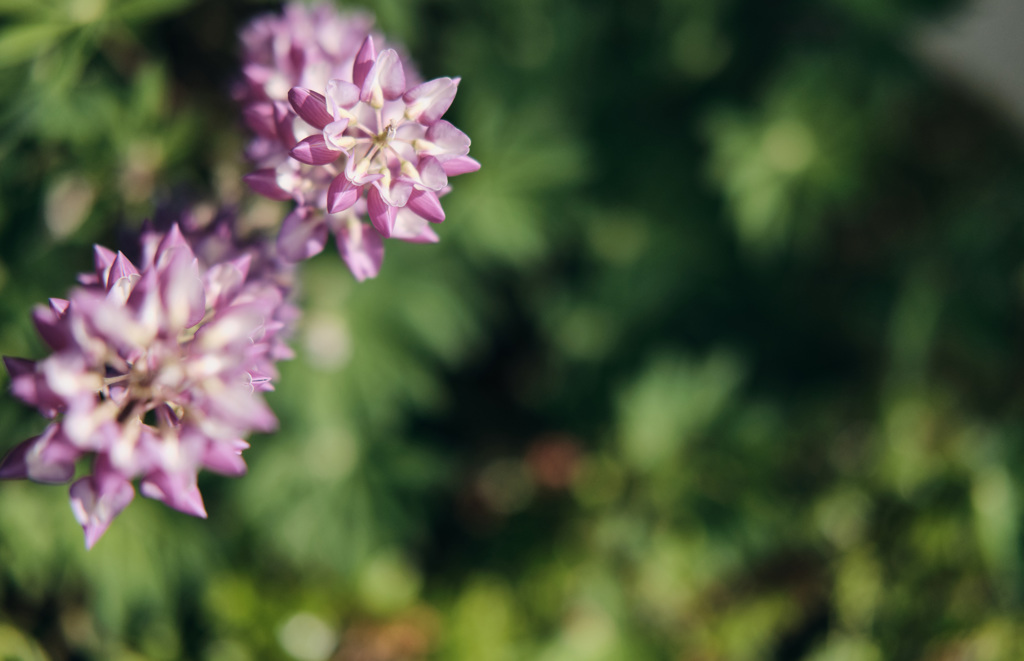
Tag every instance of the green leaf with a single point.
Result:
(19, 43)
(132, 11)
(25, 8)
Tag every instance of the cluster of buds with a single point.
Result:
(157, 372)
(369, 142)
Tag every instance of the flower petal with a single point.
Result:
(364, 61)
(334, 136)
(264, 182)
(310, 106)
(177, 489)
(426, 204)
(341, 95)
(314, 151)
(284, 121)
(182, 292)
(47, 458)
(260, 118)
(412, 228)
(397, 194)
(362, 249)
(31, 387)
(121, 279)
(342, 194)
(225, 457)
(382, 214)
(303, 234)
(445, 140)
(385, 81)
(432, 174)
(428, 101)
(460, 165)
(102, 257)
(97, 499)
(51, 325)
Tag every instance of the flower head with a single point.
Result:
(369, 142)
(156, 373)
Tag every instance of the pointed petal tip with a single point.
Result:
(426, 204)
(18, 366)
(460, 165)
(342, 194)
(364, 61)
(314, 151)
(13, 466)
(310, 106)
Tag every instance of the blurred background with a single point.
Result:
(720, 356)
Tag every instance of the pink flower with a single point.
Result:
(395, 144)
(156, 373)
(368, 141)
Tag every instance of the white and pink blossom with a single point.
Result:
(157, 372)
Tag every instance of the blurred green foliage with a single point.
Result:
(719, 357)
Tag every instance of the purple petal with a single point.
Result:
(47, 458)
(257, 74)
(302, 235)
(234, 411)
(334, 135)
(177, 489)
(362, 249)
(342, 194)
(18, 367)
(460, 165)
(412, 228)
(356, 172)
(59, 381)
(182, 292)
(397, 195)
(285, 126)
(447, 140)
(121, 278)
(364, 61)
(243, 264)
(172, 239)
(51, 327)
(264, 182)
(426, 204)
(96, 500)
(31, 387)
(382, 214)
(14, 466)
(223, 282)
(231, 327)
(314, 151)
(432, 174)
(121, 268)
(225, 457)
(310, 106)
(428, 101)
(385, 81)
(102, 257)
(341, 94)
(260, 118)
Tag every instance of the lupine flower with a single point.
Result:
(156, 373)
(369, 142)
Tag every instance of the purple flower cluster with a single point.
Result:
(356, 136)
(156, 372)
(158, 366)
